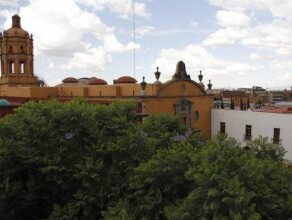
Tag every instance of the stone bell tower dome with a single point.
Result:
(16, 51)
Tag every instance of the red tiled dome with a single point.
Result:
(70, 80)
(125, 79)
(97, 81)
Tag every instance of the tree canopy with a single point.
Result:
(83, 161)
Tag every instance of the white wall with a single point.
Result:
(262, 123)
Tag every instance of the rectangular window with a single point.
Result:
(22, 67)
(276, 136)
(247, 133)
(222, 127)
(11, 67)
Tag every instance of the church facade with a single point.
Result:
(180, 96)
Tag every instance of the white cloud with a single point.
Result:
(92, 60)
(58, 31)
(278, 8)
(232, 19)
(197, 58)
(111, 44)
(275, 36)
(68, 30)
(282, 65)
(255, 56)
(194, 24)
(234, 27)
(177, 31)
(237, 4)
(6, 13)
(237, 26)
(227, 36)
(51, 66)
(124, 8)
(140, 31)
(11, 3)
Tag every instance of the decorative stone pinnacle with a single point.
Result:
(157, 73)
(200, 76)
(143, 84)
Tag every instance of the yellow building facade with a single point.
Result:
(180, 96)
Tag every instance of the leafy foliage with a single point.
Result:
(81, 161)
(265, 150)
(231, 183)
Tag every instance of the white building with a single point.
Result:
(244, 126)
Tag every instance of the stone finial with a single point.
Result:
(143, 87)
(200, 76)
(209, 85)
(143, 84)
(157, 74)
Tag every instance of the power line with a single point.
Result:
(134, 38)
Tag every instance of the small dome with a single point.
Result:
(97, 82)
(70, 80)
(16, 32)
(4, 102)
(125, 79)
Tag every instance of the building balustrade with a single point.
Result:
(276, 141)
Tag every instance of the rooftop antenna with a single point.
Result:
(134, 38)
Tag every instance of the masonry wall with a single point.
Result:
(262, 124)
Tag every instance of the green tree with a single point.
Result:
(81, 161)
(73, 160)
(69, 159)
(231, 183)
(263, 149)
(161, 130)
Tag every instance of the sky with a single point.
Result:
(235, 43)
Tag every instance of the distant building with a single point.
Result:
(288, 95)
(276, 96)
(244, 126)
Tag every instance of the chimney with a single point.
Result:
(16, 21)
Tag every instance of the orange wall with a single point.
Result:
(201, 104)
(31, 92)
(102, 90)
(180, 88)
(73, 91)
(15, 91)
(129, 89)
(117, 90)
(43, 92)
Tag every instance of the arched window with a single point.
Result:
(21, 49)
(196, 115)
(11, 67)
(10, 48)
(21, 67)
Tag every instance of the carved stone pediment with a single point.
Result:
(180, 72)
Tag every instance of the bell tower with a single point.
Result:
(16, 51)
